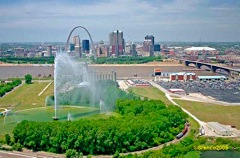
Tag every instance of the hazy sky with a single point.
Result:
(167, 20)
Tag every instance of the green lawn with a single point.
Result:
(27, 105)
(26, 96)
(45, 114)
(104, 115)
(194, 126)
(228, 115)
(151, 93)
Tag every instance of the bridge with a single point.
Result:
(212, 67)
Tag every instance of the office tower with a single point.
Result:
(116, 43)
(78, 51)
(76, 40)
(77, 46)
(151, 50)
(49, 50)
(85, 46)
(133, 51)
(157, 47)
(102, 49)
(151, 38)
(146, 45)
(72, 47)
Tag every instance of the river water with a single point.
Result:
(121, 70)
(220, 154)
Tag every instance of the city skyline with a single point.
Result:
(175, 20)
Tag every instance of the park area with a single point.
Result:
(208, 112)
(135, 125)
(27, 102)
(151, 93)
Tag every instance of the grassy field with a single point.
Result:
(228, 115)
(44, 114)
(104, 116)
(27, 105)
(26, 96)
(194, 126)
(151, 93)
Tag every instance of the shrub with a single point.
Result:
(28, 79)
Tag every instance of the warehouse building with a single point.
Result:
(177, 91)
(219, 129)
(182, 76)
(212, 78)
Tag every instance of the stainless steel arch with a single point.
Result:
(92, 46)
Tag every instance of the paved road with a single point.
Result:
(10, 154)
(29, 154)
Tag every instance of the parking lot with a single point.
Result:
(227, 91)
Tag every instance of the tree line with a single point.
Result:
(28, 60)
(126, 60)
(188, 148)
(7, 87)
(142, 124)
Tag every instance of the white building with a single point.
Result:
(219, 129)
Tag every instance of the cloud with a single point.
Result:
(132, 16)
(25, 14)
(221, 8)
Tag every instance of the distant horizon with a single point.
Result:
(156, 42)
(167, 20)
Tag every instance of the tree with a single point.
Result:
(72, 153)
(8, 139)
(28, 79)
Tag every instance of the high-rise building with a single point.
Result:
(133, 51)
(151, 50)
(78, 51)
(85, 46)
(49, 50)
(102, 49)
(148, 44)
(72, 47)
(77, 46)
(76, 40)
(151, 38)
(157, 47)
(116, 43)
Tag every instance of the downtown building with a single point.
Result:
(85, 46)
(49, 51)
(102, 50)
(116, 43)
(77, 46)
(130, 49)
(148, 44)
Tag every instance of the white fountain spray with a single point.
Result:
(102, 107)
(69, 117)
(69, 74)
(7, 112)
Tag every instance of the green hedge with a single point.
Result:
(28, 60)
(7, 87)
(126, 60)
